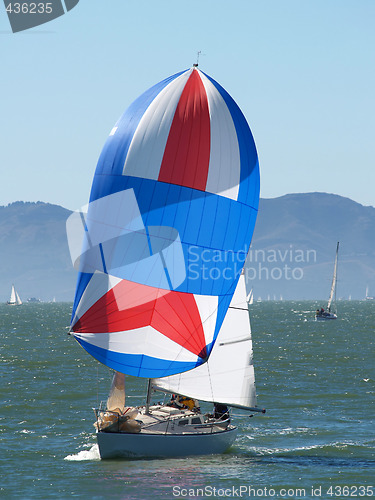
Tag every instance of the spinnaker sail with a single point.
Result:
(169, 224)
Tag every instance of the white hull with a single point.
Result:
(163, 432)
(325, 316)
(124, 445)
(14, 303)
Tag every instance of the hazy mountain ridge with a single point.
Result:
(315, 222)
(292, 250)
(34, 252)
(316, 217)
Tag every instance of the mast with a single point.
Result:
(334, 280)
(148, 398)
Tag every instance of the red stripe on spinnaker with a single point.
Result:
(187, 152)
(128, 306)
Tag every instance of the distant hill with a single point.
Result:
(291, 256)
(34, 252)
(303, 229)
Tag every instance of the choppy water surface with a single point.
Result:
(316, 380)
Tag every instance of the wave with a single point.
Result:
(91, 454)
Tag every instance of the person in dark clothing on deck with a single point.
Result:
(221, 411)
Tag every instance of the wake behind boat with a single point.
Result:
(322, 314)
(172, 209)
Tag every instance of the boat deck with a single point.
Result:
(160, 419)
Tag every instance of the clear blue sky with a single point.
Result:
(302, 71)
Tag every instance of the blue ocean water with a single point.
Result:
(316, 380)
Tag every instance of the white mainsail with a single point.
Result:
(228, 376)
(12, 298)
(334, 280)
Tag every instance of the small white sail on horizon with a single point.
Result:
(250, 298)
(14, 299)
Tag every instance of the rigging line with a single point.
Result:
(245, 339)
(239, 308)
(209, 379)
(97, 386)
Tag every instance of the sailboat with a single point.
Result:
(250, 298)
(14, 299)
(160, 294)
(322, 314)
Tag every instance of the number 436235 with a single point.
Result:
(350, 491)
(29, 8)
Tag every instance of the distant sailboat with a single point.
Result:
(14, 299)
(368, 297)
(321, 313)
(250, 298)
